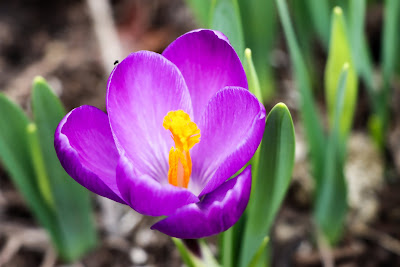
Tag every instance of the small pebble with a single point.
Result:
(138, 256)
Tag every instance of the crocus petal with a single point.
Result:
(220, 35)
(146, 195)
(86, 149)
(231, 130)
(141, 91)
(208, 63)
(217, 212)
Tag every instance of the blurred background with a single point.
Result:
(74, 45)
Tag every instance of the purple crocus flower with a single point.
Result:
(178, 126)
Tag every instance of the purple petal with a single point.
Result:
(231, 130)
(146, 195)
(218, 33)
(86, 149)
(208, 63)
(141, 91)
(217, 212)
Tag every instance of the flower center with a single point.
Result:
(185, 134)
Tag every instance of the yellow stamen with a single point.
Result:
(185, 134)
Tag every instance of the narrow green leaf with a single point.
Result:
(227, 247)
(72, 202)
(201, 10)
(191, 260)
(259, 32)
(339, 53)
(390, 40)
(390, 43)
(207, 255)
(319, 11)
(366, 69)
(274, 174)
(39, 165)
(375, 127)
(301, 11)
(331, 197)
(188, 258)
(363, 63)
(254, 87)
(309, 112)
(261, 249)
(225, 17)
(356, 30)
(231, 242)
(359, 48)
(14, 150)
(252, 77)
(14, 154)
(341, 98)
(305, 28)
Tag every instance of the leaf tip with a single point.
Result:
(38, 80)
(31, 127)
(337, 11)
(247, 53)
(281, 105)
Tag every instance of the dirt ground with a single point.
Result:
(57, 40)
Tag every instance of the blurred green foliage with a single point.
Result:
(330, 202)
(339, 54)
(60, 204)
(253, 25)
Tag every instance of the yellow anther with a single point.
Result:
(185, 134)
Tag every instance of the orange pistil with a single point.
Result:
(185, 134)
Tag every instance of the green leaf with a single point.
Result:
(340, 53)
(356, 30)
(231, 242)
(207, 255)
(191, 260)
(390, 40)
(227, 244)
(390, 43)
(301, 11)
(71, 200)
(259, 31)
(274, 174)
(201, 10)
(188, 257)
(360, 51)
(15, 155)
(319, 11)
(375, 127)
(225, 17)
(252, 77)
(260, 251)
(363, 62)
(331, 198)
(39, 165)
(308, 110)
